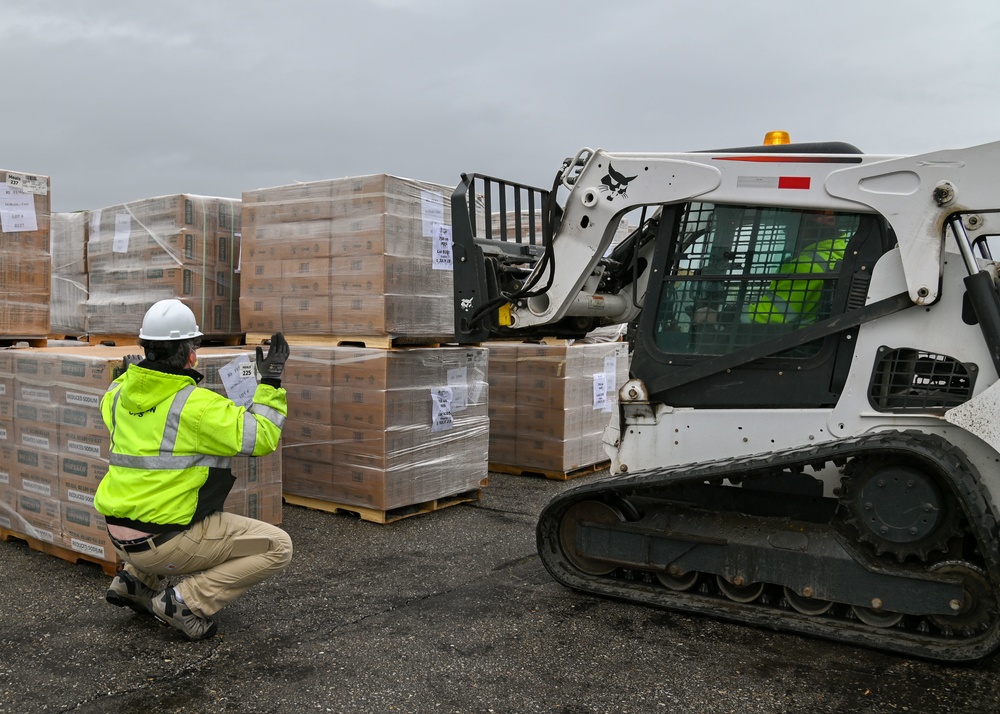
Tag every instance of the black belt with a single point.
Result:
(144, 544)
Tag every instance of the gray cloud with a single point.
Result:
(118, 100)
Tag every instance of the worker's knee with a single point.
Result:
(281, 548)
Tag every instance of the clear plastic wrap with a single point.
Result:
(70, 285)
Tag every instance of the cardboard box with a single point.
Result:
(85, 531)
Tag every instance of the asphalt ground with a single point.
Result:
(449, 611)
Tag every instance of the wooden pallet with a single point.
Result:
(13, 341)
(115, 340)
(70, 556)
(554, 475)
(382, 342)
(375, 515)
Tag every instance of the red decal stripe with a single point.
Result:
(793, 182)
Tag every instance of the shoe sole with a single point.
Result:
(119, 601)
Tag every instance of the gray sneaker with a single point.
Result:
(127, 591)
(170, 610)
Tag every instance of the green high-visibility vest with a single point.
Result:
(797, 300)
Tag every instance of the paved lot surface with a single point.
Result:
(445, 612)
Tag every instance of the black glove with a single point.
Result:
(273, 365)
(131, 359)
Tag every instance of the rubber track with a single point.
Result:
(944, 459)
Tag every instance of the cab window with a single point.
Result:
(738, 275)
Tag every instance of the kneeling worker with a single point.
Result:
(169, 475)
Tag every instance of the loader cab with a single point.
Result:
(736, 276)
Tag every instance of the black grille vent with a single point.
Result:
(913, 380)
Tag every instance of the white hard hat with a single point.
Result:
(169, 320)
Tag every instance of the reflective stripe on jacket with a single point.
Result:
(171, 445)
(797, 300)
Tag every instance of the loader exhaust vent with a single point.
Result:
(913, 380)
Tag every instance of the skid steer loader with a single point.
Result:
(809, 439)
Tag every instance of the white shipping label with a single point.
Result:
(28, 183)
(601, 391)
(95, 225)
(432, 211)
(442, 418)
(17, 210)
(239, 380)
(443, 259)
(459, 385)
(123, 230)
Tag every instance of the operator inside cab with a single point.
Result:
(800, 301)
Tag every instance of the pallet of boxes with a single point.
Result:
(550, 403)
(56, 450)
(385, 421)
(179, 246)
(25, 258)
(53, 442)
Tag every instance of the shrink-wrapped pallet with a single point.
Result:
(363, 256)
(25, 260)
(385, 429)
(179, 246)
(554, 402)
(54, 444)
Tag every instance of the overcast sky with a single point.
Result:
(120, 100)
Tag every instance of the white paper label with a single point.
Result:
(84, 499)
(95, 225)
(82, 448)
(442, 418)
(239, 380)
(123, 230)
(82, 546)
(432, 210)
(443, 259)
(600, 391)
(41, 489)
(28, 183)
(17, 210)
(81, 399)
(459, 384)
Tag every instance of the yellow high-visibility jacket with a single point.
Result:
(796, 300)
(172, 443)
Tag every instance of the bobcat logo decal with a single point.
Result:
(616, 183)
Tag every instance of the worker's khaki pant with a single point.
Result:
(224, 555)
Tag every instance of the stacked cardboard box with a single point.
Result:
(178, 246)
(549, 404)
(54, 445)
(25, 260)
(385, 429)
(367, 256)
(68, 312)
